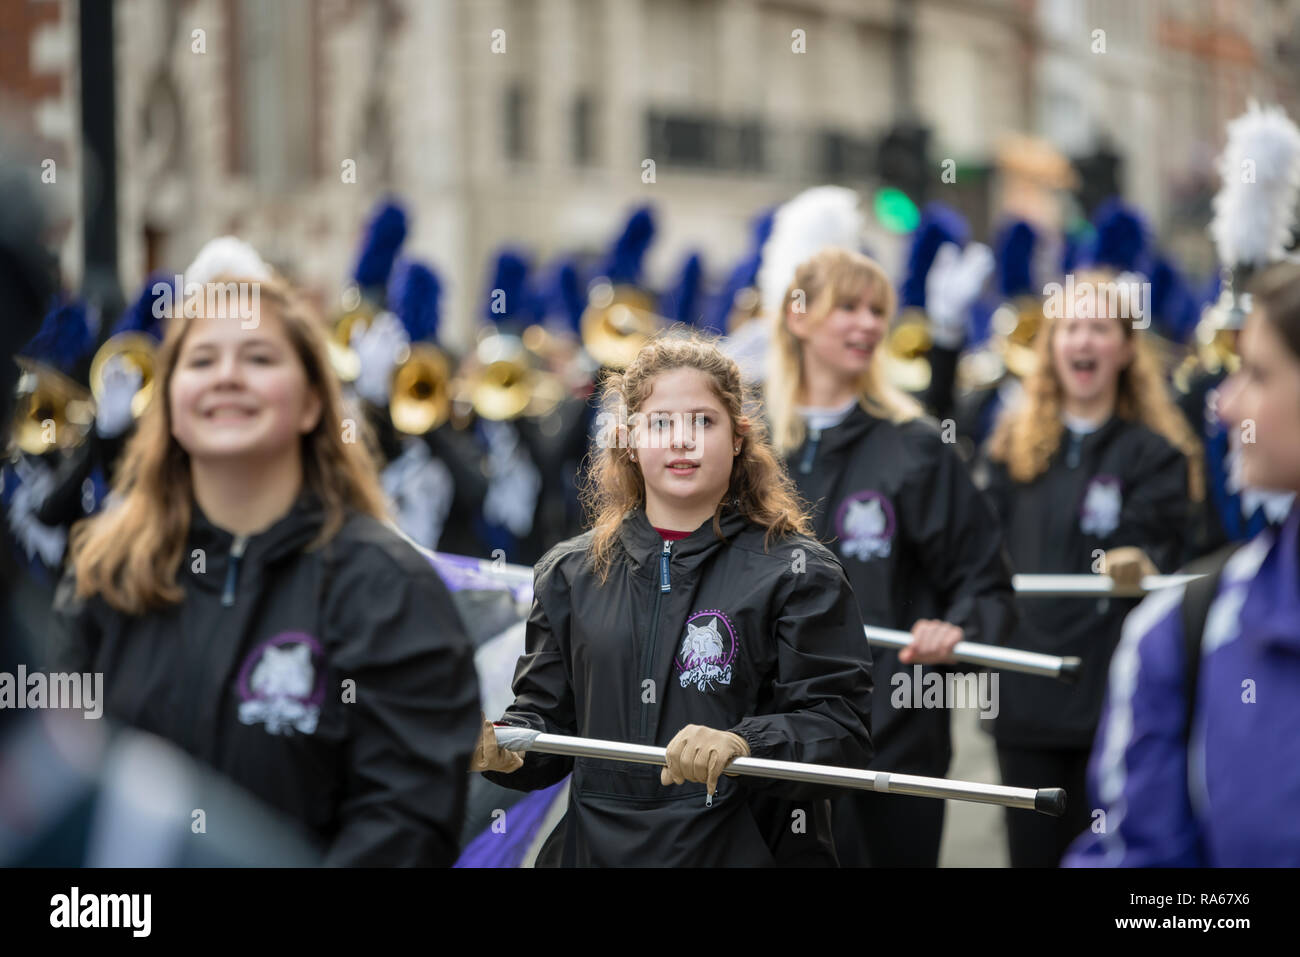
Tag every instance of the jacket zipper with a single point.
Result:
(647, 660)
(232, 569)
(237, 548)
(810, 451)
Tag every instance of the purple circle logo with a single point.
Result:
(707, 651)
(282, 684)
(1103, 501)
(865, 525)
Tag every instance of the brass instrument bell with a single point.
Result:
(617, 322)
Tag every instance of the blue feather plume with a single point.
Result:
(64, 338)
(1014, 254)
(509, 277)
(939, 224)
(384, 237)
(414, 295)
(623, 264)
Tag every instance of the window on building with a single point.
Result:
(515, 117)
(273, 121)
(584, 119)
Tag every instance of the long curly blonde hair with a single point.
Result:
(1029, 433)
(834, 278)
(613, 483)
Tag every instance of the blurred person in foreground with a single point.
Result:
(245, 598)
(1197, 759)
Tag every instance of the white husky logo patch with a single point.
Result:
(865, 525)
(705, 657)
(1101, 506)
(280, 687)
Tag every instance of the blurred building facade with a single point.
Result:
(542, 122)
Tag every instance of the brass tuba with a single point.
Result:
(506, 382)
(617, 322)
(344, 359)
(54, 412)
(139, 350)
(420, 396)
(907, 351)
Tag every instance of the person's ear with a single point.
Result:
(797, 322)
(312, 407)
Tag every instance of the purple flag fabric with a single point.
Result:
(509, 847)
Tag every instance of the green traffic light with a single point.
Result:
(895, 211)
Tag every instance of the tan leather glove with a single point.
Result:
(488, 757)
(697, 753)
(1127, 567)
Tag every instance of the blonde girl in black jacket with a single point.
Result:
(244, 597)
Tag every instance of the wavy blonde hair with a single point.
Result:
(1028, 434)
(613, 483)
(131, 552)
(833, 279)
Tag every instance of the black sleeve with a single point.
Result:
(415, 718)
(464, 457)
(1154, 510)
(958, 541)
(939, 397)
(74, 632)
(817, 708)
(542, 686)
(62, 506)
(994, 481)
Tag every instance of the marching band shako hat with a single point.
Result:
(65, 340)
(1254, 210)
(415, 297)
(509, 302)
(740, 300)
(626, 258)
(939, 224)
(147, 314)
(1013, 250)
(384, 236)
(563, 294)
(1121, 241)
(683, 302)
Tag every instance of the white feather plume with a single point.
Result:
(1255, 208)
(816, 218)
(227, 256)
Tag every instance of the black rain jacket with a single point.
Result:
(726, 634)
(1120, 485)
(250, 673)
(917, 540)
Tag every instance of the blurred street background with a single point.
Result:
(530, 122)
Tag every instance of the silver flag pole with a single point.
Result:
(1091, 586)
(991, 656)
(520, 578)
(1050, 801)
(1029, 586)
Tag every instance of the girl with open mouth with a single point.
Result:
(1091, 474)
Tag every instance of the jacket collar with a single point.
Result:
(1101, 433)
(857, 424)
(288, 534)
(644, 545)
(1272, 608)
